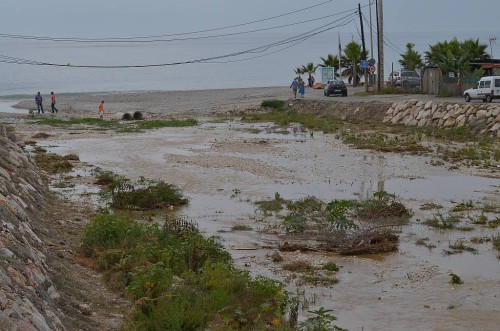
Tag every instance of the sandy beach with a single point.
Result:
(201, 102)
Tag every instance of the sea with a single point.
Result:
(272, 67)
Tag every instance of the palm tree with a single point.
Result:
(411, 59)
(299, 71)
(475, 50)
(331, 61)
(309, 68)
(352, 53)
(454, 56)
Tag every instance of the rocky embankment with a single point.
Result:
(28, 297)
(482, 118)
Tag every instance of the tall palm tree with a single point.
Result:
(411, 59)
(353, 53)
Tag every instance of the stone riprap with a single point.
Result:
(481, 118)
(28, 297)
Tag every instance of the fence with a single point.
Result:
(450, 86)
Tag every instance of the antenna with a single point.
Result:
(492, 39)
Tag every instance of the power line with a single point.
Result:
(195, 38)
(129, 39)
(295, 39)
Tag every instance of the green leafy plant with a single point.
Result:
(321, 321)
(274, 104)
(455, 279)
(337, 214)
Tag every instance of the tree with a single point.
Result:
(299, 71)
(352, 53)
(455, 56)
(475, 50)
(331, 61)
(309, 68)
(411, 59)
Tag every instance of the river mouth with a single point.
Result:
(223, 168)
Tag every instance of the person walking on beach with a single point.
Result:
(294, 86)
(101, 110)
(53, 103)
(39, 105)
(302, 87)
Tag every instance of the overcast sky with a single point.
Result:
(133, 17)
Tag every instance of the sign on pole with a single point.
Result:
(371, 69)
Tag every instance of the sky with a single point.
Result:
(130, 17)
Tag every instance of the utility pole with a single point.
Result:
(370, 2)
(363, 56)
(380, 33)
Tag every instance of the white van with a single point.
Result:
(487, 89)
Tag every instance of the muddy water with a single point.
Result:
(224, 167)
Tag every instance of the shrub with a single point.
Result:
(153, 196)
(274, 104)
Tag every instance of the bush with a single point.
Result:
(179, 279)
(275, 104)
(154, 196)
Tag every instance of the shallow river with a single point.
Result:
(224, 167)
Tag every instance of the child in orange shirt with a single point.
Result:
(101, 110)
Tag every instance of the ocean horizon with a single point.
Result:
(271, 70)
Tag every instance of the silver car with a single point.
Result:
(405, 78)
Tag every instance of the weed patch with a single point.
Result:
(54, 163)
(496, 241)
(455, 279)
(148, 196)
(179, 279)
(274, 104)
(441, 221)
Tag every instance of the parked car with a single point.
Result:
(405, 78)
(335, 87)
(487, 89)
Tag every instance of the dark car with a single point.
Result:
(333, 87)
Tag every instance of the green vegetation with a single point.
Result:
(298, 266)
(395, 90)
(178, 279)
(322, 320)
(150, 195)
(441, 221)
(455, 279)
(241, 228)
(327, 124)
(331, 266)
(124, 127)
(411, 59)
(460, 246)
(274, 104)
(345, 226)
(384, 142)
(496, 241)
(54, 163)
(463, 206)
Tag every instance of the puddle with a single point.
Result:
(392, 289)
(6, 107)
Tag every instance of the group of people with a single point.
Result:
(39, 105)
(298, 85)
